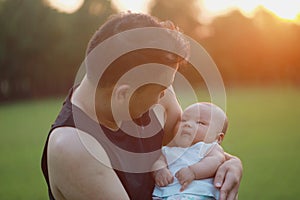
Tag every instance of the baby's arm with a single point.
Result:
(161, 173)
(206, 168)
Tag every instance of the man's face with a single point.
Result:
(147, 95)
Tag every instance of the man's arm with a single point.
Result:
(79, 168)
(228, 177)
(206, 168)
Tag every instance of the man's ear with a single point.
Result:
(121, 93)
(220, 138)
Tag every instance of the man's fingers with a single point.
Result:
(228, 179)
(233, 194)
(223, 194)
(229, 195)
(229, 188)
(220, 175)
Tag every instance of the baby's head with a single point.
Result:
(202, 121)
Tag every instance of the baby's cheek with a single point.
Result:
(199, 136)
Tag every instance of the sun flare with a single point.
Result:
(288, 10)
(284, 9)
(67, 6)
(132, 5)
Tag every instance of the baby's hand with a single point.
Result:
(185, 176)
(163, 177)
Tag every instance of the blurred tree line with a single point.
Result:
(42, 49)
(262, 50)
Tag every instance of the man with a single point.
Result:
(108, 135)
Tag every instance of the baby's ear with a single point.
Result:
(220, 138)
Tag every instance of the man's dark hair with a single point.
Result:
(127, 21)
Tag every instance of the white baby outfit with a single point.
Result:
(178, 158)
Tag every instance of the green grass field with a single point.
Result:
(263, 132)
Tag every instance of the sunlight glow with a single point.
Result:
(132, 5)
(67, 6)
(286, 10)
(283, 9)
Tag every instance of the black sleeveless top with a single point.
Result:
(132, 149)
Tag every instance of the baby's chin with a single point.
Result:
(197, 139)
(184, 143)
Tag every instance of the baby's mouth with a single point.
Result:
(186, 133)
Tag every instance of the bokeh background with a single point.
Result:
(255, 44)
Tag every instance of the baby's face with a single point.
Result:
(195, 124)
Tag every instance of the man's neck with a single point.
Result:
(84, 98)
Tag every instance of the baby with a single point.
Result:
(187, 165)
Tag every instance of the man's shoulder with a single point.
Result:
(72, 145)
(76, 159)
(63, 138)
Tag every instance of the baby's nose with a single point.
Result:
(188, 124)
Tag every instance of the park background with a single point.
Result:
(258, 57)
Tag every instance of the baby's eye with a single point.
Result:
(200, 122)
(183, 120)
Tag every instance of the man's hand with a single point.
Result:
(228, 178)
(185, 176)
(163, 177)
